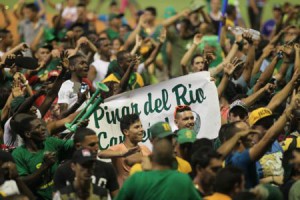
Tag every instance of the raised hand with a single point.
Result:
(267, 50)
(64, 59)
(230, 67)
(17, 90)
(297, 47)
(197, 39)
(138, 40)
(269, 87)
(247, 36)
(163, 35)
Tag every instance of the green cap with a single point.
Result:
(169, 12)
(160, 130)
(113, 16)
(186, 136)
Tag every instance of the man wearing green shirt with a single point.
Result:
(161, 182)
(38, 158)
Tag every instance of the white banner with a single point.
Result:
(157, 103)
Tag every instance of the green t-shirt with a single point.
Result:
(158, 185)
(28, 162)
(179, 48)
(112, 34)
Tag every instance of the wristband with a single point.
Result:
(240, 44)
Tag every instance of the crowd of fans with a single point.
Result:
(55, 66)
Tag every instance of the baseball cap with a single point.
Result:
(238, 104)
(160, 130)
(82, 156)
(259, 114)
(113, 16)
(169, 12)
(186, 136)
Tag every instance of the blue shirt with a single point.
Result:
(271, 163)
(242, 161)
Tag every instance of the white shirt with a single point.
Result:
(9, 188)
(101, 69)
(70, 14)
(68, 93)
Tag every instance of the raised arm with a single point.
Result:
(250, 100)
(284, 93)
(228, 70)
(297, 56)
(266, 75)
(137, 45)
(266, 52)
(170, 21)
(5, 16)
(52, 94)
(228, 58)
(229, 145)
(250, 58)
(161, 40)
(188, 55)
(135, 32)
(259, 149)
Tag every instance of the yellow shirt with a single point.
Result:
(183, 167)
(218, 196)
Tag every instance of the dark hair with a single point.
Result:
(195, 56)
(81, 5)
(81, 133)
(4, 32)
(227, 178)
(77, 24)
(180, 109)
(127, 26)
(163, 152)
(152, 10)
(120, 40)
(239, 111)
(202, 157)
(121, 56)
(127, 120)
(232, 90)
(4, 94)
(227, 131)
(99, 41)
(113, 3)
(32, 7)
(21, 123)
(186, 149)
(245, 195)
(200, 143)
(230, 9)
(73, 59)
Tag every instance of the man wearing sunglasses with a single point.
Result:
(104, 175)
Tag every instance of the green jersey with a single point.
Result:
(28, 162)
(158, 185)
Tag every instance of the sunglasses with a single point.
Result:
(181, 108)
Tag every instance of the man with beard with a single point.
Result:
(129, 152)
